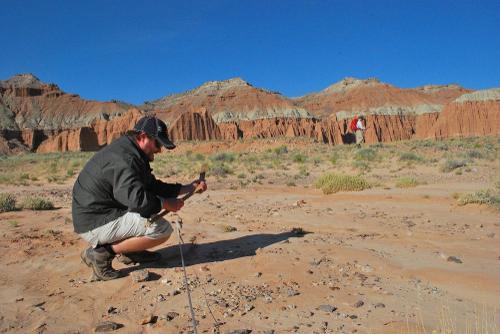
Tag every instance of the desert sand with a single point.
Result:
(271, 258)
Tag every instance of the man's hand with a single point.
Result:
(199, 186)
(173, 204)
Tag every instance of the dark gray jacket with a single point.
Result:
(115, 180)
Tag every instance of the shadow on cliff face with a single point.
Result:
(215, 251)
(349, 138)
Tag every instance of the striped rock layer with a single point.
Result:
(40, 117)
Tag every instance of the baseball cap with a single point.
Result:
(155, 128)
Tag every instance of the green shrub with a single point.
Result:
(199, 157)
(474, 154)
(450, 165)
(220, 170)
(37, 203)
(410, 156)
(406, 182)
(365, 154)
(227, 157)
(299, 158)
(303, 171)
(281, 150)
(7, 202)
(488, 197)
(332, 183)
(361, 165)
(334, 158)
(442, 147)
(229, 228)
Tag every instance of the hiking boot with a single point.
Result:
(139, 257)
(99, 260)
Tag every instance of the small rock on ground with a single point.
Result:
(107, 326)
(140, 275)
(327, 308)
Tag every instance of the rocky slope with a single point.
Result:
(473, 114)
(32, 112)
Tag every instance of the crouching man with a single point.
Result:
(116, 193)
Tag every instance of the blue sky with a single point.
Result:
(142, 50)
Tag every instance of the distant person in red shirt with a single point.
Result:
(360, 130)
(357, 127)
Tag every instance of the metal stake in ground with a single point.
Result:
(203, 171)
(178, 224)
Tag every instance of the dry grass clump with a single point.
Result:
(410, 157)
(332, 183)
(229, 228)
(488, 197)
(37, 203)
(365, 154)
(7, 202)
(450, 165)
(407, 182)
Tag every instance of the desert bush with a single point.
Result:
(303, 172)
(332, 183)
(442, 146)
(36, 203)
(199, 157)
(291, 184)
(299, 158)
(224, 156)
(406, 182)
(488, 197)
(220, 170)
(334, 158)
(365, 154)
(229, 228)
(410, 156)
(361, 165)
(474, 154)
(450, 165)
(281, 150)
(7, 202)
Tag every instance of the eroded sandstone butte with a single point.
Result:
(41, 117)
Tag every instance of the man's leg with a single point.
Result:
(137, 244)
(127, 236)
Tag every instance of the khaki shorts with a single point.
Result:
(360, 138)
(127, 226)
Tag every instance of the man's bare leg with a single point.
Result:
(136, 244)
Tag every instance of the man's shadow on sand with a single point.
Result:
(215, 251)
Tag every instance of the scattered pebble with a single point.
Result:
(107, 326)
(150, 319)
(112, 310)
(327, 308)
(359, 303)
(453, 259)
(140, 276)
(170, 316)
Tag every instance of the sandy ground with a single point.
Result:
(376, 261)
